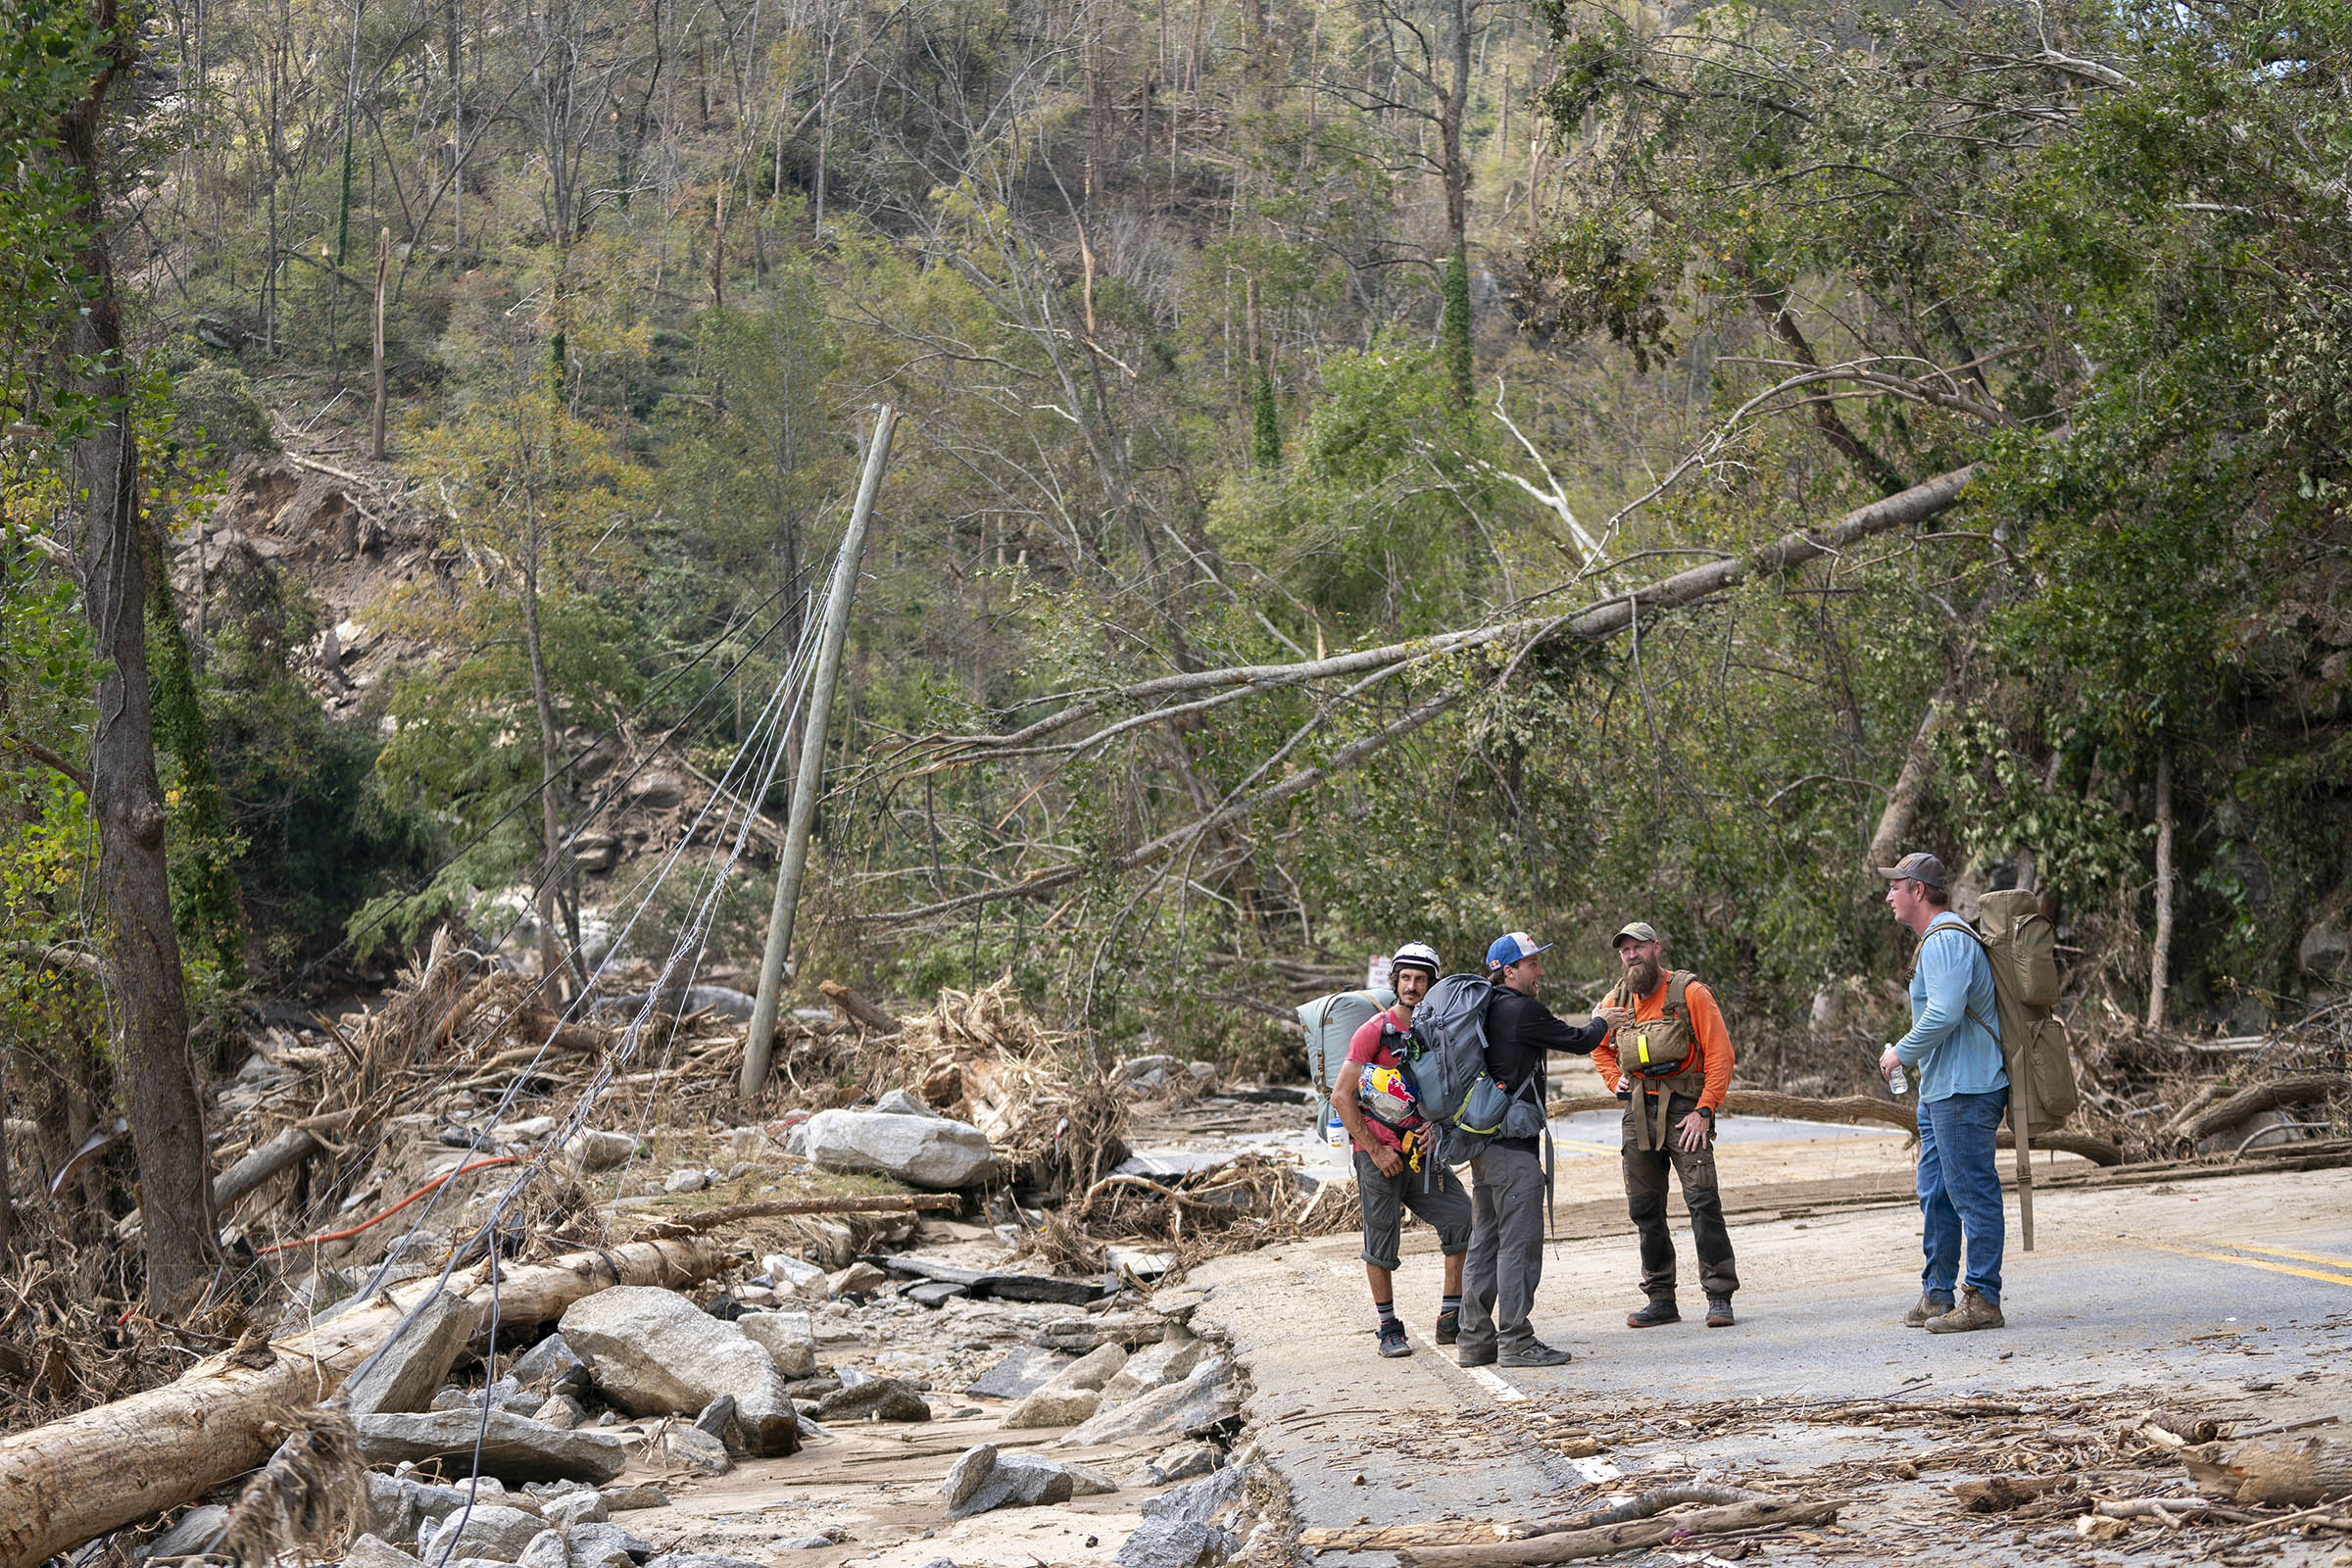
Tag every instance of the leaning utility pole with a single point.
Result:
(758, 1048)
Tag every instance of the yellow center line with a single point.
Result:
(2288, 1251)
(2344, 1279)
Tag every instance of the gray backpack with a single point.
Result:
(1457, 1093)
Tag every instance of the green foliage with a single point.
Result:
(1455, 346)
(1265, 421)
(213, 408)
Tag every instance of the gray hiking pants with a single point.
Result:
(1507, 1251)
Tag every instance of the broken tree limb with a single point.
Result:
(2299, 1090)
(857, 1010)
(2297, 1471)
(1850, 1109)
(711, 1219)
(283, 1153)
(75, 1478)
(1570, 1544)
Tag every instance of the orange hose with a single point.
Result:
(368, 1224)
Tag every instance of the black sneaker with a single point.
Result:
(1449, 1327)
(1661, 1310)
(1537, 1354)
(1392, 1340)
(1719, 1313)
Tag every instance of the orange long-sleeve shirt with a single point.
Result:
(1706, 1024)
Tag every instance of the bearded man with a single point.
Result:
(1669, 1058)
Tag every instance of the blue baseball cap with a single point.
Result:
(1510, 947)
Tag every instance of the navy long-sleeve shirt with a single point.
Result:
(1519, 1030)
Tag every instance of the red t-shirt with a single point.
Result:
(1371, 1046)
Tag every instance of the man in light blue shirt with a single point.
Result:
(1954, 1052)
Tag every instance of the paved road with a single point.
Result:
(2231, 1294)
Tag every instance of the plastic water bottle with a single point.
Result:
(1896, 1079)
(1335, 1131)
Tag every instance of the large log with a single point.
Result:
(1850, 1109)
(2297, 1471)
(78, 1477)
(2300, 1091)
(1570, 1544)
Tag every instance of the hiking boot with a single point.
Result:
(1927, 1307)
(1973, 1313)
(1719, 1313)
(1660, 1311)
(1469, 1355)
(1449, 1327)
(1535, 1354)
(1392, 1340)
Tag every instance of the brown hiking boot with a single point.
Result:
(1973, 1313)
(1927, 1307)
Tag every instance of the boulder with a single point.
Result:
(1186, 1528)
(1053, 1407)
(1179, 1410)
(589, 1150)
(983, 1477)
(544, 1363)
(495, 1531)
(1020, 1374)
(374, 1551)
(876, 1399)
(583, 1507)
(1183, 1463)
(899, 1103)
(652, 1352)
(630, 1499)
(1156, 1366)
(563, 1411)
(2325, 952)
(686, 1181)
(513, 1448)
(696, 1450)
(415, 1360)
(930, 1151)
(859, 1279)
(597, 1545)
(1093, 1370)
(546, 1550)
(794, 1276)
(787, 1339)
(1082, 1334)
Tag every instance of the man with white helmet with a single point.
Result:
(1396, 1166)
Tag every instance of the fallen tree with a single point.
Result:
(2273, 1096)
(75, 1478)
(1568, 1545)
(1848, 1109)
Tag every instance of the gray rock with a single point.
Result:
(787, 1340)
(603, 1545)
(718, 1418)
(628, 1499)
(696, 1450)
(803, 1544)
(899, 1103)
(415, 1360)
(374, 1551)
(1156, 1366)
(546, 1550)
(1135, 1068)
(964, 1476)
(686, 1181)
(1168, 1544)
(589, 1150)
(1180, 1410)
(391, 1508)
(934, 1294)
(698, 1559)
(2325, 950)
(545, 1362)
(513, 1446)
(653, 1352)
(983, 1479)
(2264, 1129)
(1183, 1463)
(583, 1507)
(927, 1151)
(562, 1412)
(788, 1273)
(493, 1531)
(1053, 1407)
(196, 1533)
(1020, 1374)
(862, 1279)
(1079, 1335)
(1205, 1500)
(1093, 1370)
(876, 1399)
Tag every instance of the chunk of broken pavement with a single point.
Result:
(1053, 1407)
(929, 1152)
(415, 1360)
(652, 1352)
(513, 1448)
(876, 1399)
(787, 1339)
(1020, 1374)
(982, 1478)
(495, 1531)
(1180, 1410)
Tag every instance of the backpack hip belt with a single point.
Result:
(1652, 1134)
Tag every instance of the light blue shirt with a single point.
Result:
(1949, 1051)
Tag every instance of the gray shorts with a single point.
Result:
(1434, 1194)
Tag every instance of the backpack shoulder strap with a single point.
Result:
(1678, 989)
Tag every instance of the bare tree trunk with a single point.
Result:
(2160, 956)
(1902, 802)
(551, 818)
(8, 1209)
(383, 264)
(166, 1117)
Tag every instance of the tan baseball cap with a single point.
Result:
(1638, 930)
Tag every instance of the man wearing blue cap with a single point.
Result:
(1507, 1176)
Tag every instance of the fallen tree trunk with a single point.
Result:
(2260, 1097)
(856, 1009)
(1571, 1545)
(1851, 1108)
(282, 1153)
(2297, 1471)
(75, 1478)
(711, 1219)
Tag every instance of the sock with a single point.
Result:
(1449, 1303)
(1387, 1311)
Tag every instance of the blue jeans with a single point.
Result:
(1960, 1190)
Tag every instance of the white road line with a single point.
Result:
(1490, 1380)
